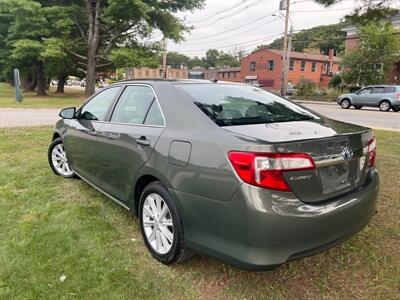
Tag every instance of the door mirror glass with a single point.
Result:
(68, 113)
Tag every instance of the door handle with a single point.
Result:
(143, 141)
(93, 132)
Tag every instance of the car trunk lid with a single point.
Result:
(339, 151)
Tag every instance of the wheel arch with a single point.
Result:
(142, 181)
(56, 135)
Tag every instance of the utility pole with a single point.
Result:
(164, 68)
(285, 48)
(287, 64)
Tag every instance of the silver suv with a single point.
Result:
(385, 97)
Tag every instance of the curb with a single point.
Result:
(314, 102)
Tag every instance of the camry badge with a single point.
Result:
(347, 153)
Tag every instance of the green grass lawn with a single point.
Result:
(52, 227)
(71, 97)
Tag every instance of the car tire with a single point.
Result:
(345, 103)
(358, 106)
(58, 161)
(384, 105)
(161, 227)
(396, 109)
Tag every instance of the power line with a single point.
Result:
(220, 12)
(230, 15)
(227, 37)
(240, 26)
(322, 10)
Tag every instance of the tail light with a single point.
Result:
(398, 96)
(266, 169)
(372, 152)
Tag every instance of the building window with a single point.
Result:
(270, 65)
(314, 67)
(303, 65)
(291, 65)
(253, 66)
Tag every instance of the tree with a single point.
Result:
(378, 50)
(176, 60)
(106, 24)
(322, 38)
(31, 40)
(218, 59)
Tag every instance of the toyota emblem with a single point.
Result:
(347, 153)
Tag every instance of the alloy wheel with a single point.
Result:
(157, 223)
(345, 104)
(60, 161)
(384, 106)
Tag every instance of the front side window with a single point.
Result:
(365, 91)
(229, 105)
(253, 66)
(96, 109)
(270, 65)
(133, 105)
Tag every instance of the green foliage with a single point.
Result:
(133, 57)
(335, 81)
(321, 37)
(305, 87)
(378, 50)
(218, 59)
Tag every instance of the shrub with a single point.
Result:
(305, 87)
(335, 81)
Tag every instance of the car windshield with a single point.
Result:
(229, 104)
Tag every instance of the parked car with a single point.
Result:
(222, 169)
(385, 97)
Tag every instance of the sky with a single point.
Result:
(256, 22)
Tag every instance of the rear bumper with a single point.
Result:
(260, 229)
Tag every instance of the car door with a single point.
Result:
(361, 97)
(378, 93)
(80, 136)
(128, 139)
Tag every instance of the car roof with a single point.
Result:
(382, 85)
(175, 81)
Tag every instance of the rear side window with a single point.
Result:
(133, 105)
(228, 104)
(378, 90)
(154, 116)
(389, 90)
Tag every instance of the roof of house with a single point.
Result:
(306, 56)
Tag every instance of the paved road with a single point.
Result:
(14, 117)
(370, 117)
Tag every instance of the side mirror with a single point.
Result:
(68, 113)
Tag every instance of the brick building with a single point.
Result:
(352, 42)
(152, 73)
(230, 74)
(201, 73)
(264, 67)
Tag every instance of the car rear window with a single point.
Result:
(228, 104)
